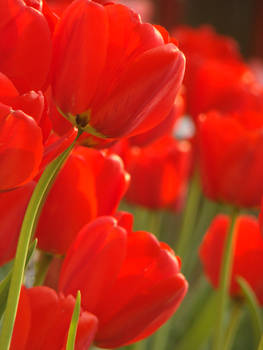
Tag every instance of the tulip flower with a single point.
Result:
(91, 184)
(166, 127)
(247, 253)
(43, 320)
(19, 160)
(112, 75)
(25, 43)
(225, 86)
(230, 151)
(201, 46)
(12, 209)
(159, 173)
(129, 280)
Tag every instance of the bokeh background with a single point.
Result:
(240, 19)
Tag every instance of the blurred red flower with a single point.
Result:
(247, 256)
(159, 173)
(231, 151)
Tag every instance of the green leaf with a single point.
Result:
(74, 324)
(253, 306)
(225, 275)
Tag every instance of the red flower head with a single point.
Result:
(166, 127)
(19, 161)
(130, 281)
(91, 184)
(12, 209)
(25, 42)
(24, 130)
(231, 151)
(43, 320)
(225, 86)
(200, 46)
(113, 75)
(247, 257)
(159, 173)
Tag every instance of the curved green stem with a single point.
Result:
(74, 324)
(189, 218)
(253, 306)
(235, 319)
(27, 231)
(225, 275)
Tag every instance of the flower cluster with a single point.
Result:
(114, 133)
(95, 74)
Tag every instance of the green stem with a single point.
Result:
(26, 234)
(225, 275)
(140, 345)
(161, 336)
(207, 213)
(42, 266)
(74, 324)
(235, 319)
(253, 306)
(189, 218)
(202, 327)
(260, 346)
(155, 222)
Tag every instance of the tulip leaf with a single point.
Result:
(253, 306)
(234, 322)
(74, 324)
(189, 218)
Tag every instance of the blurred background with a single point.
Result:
(240, 19)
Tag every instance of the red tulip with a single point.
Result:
(225, 86)
(24, 132)
(25, 43)
(247, 253)
(32, 103)
(231, 151)
(90, 184)
(201, 46)
(43, 320)
(164, 128)
(159, 173)
(112, 74)
(19, 161)
(130, 281)
(12, 208)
